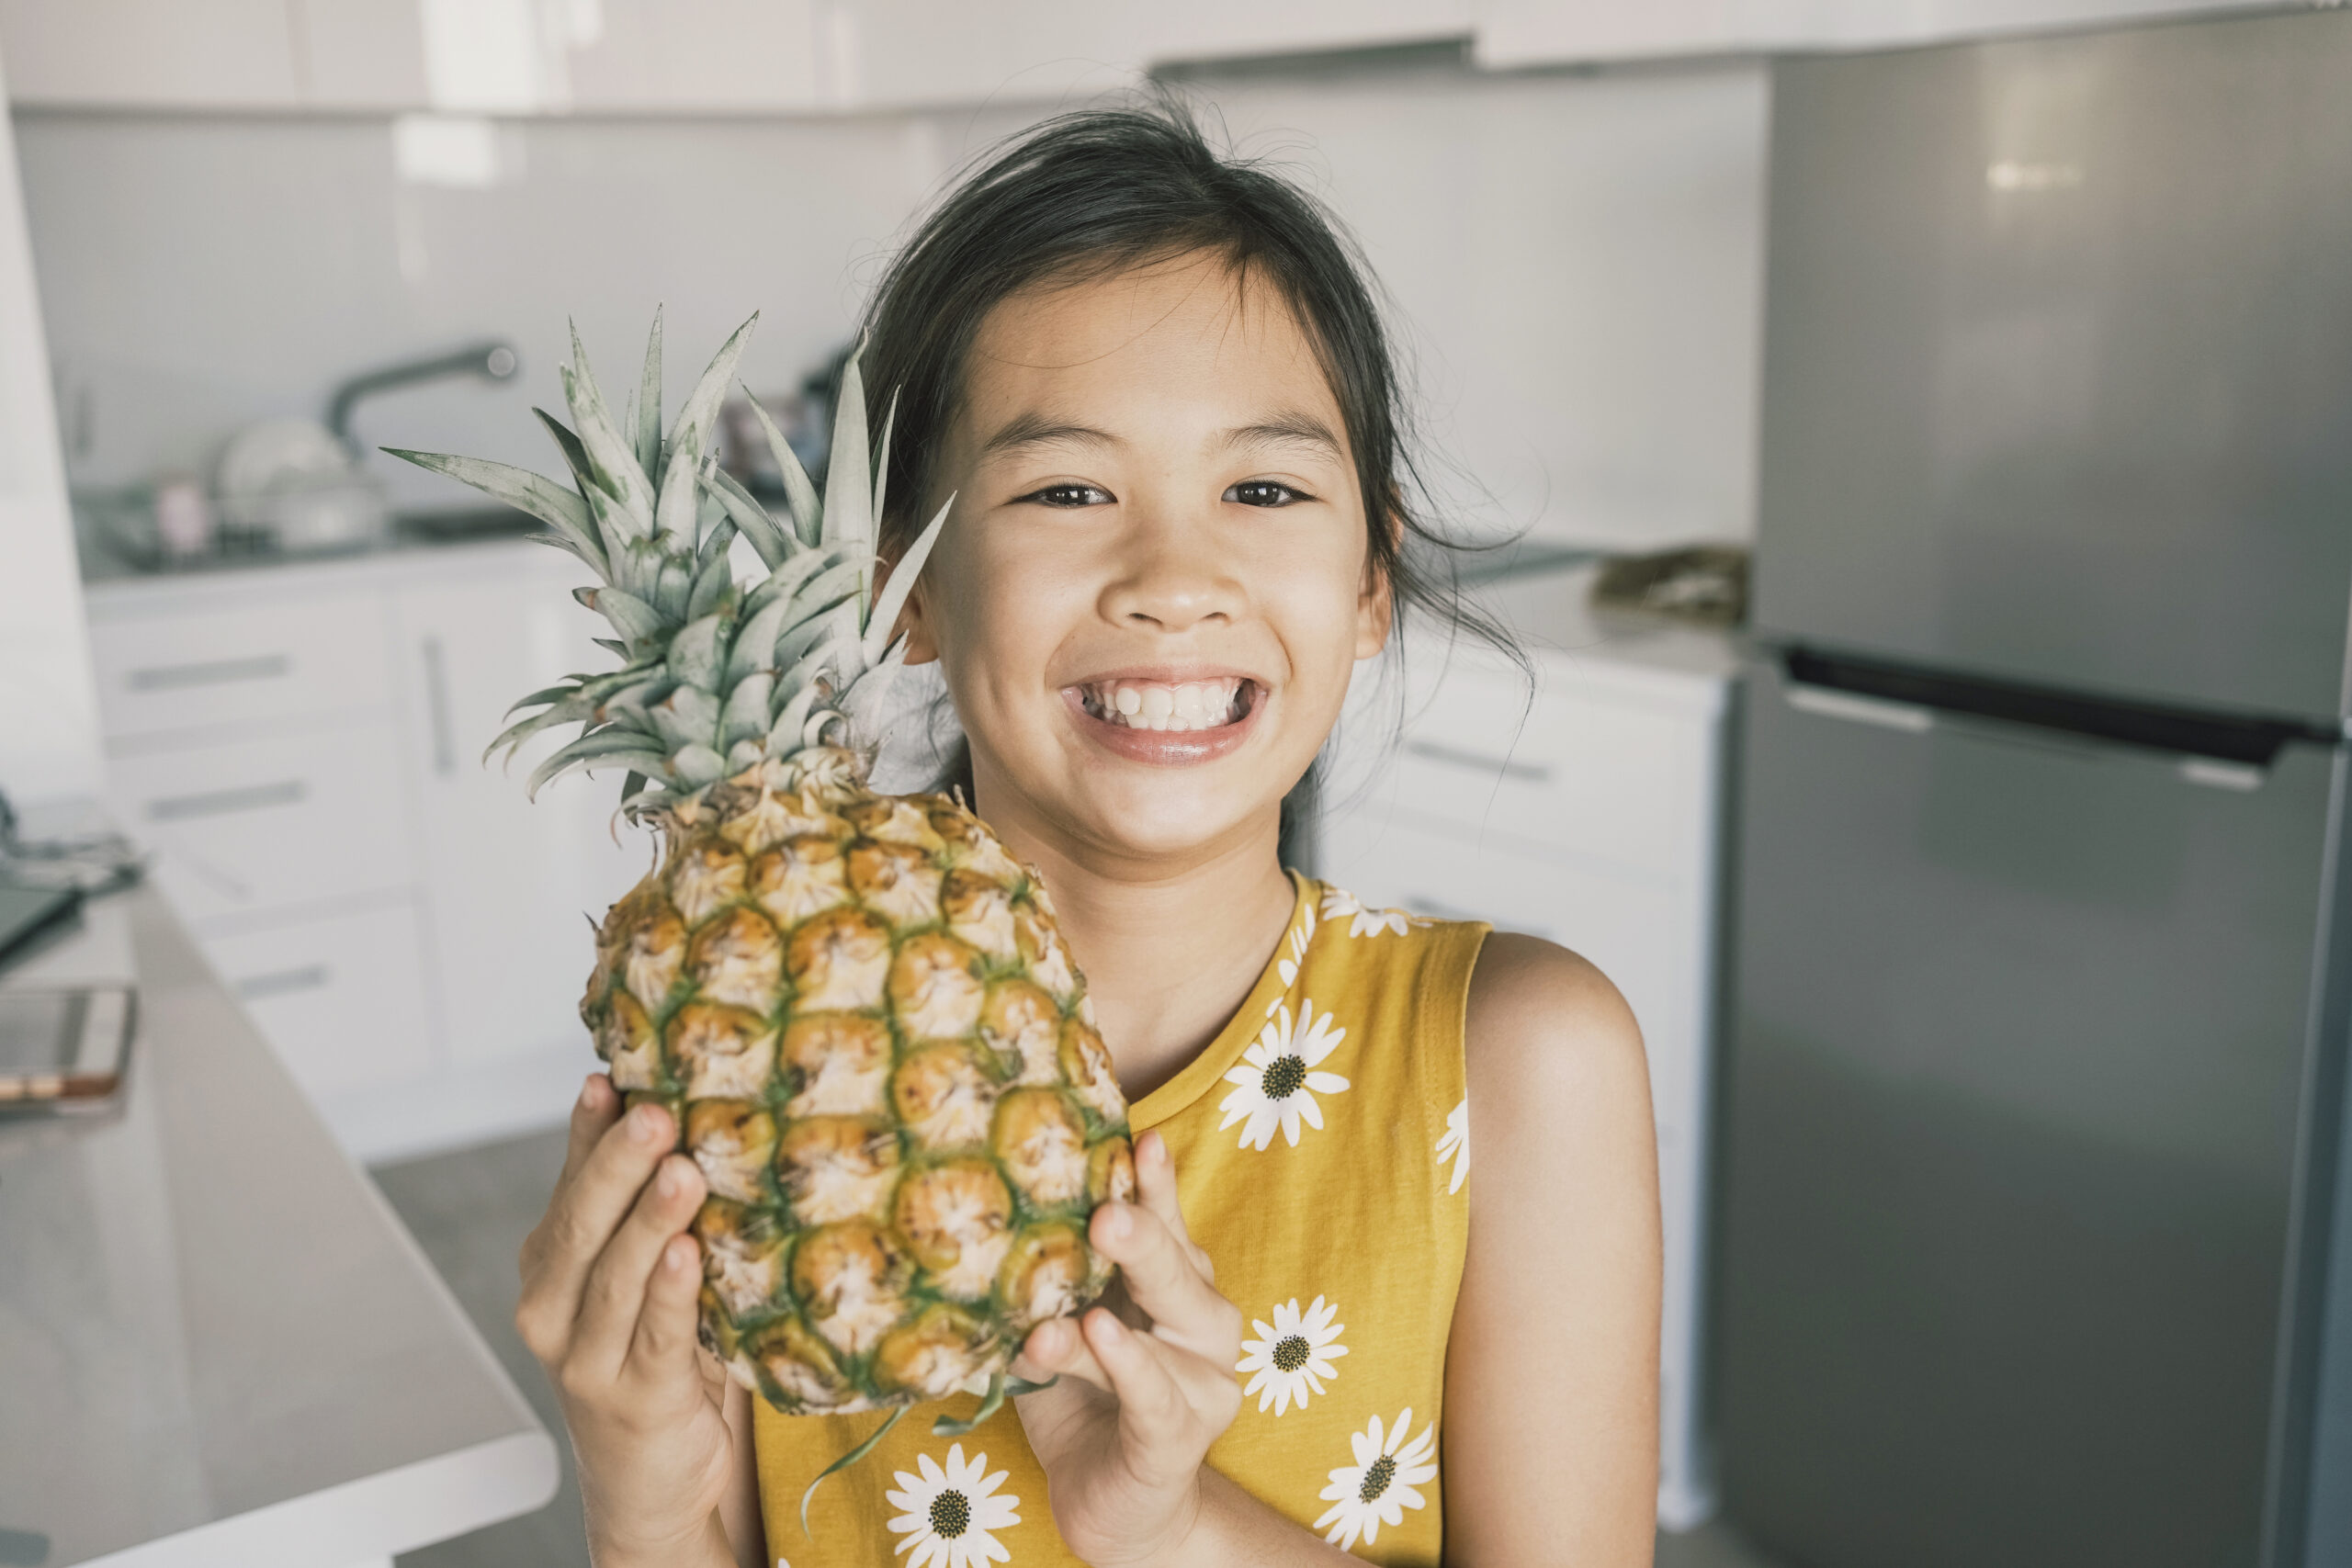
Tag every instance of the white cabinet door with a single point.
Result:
(511, 884)
(342, 1000)
(1530, 32)
(151, 53)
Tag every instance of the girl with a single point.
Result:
(1156, 383)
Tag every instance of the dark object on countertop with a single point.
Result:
(29, 913)
(23, 1549)
(1700, 582)
(63, 1050)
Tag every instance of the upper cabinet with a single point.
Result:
(784, 56)
(458, 56)
(1538, 32)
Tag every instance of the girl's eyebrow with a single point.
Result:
(1034, 429)
(1288, 429)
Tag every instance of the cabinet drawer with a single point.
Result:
(191, 670)
(1640, 934)
(257, 824)
(1581, 773)
(342, 1000)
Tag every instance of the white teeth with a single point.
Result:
(1155, 705)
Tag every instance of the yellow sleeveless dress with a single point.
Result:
(1322, 1152)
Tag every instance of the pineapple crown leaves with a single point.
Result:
(717, 675)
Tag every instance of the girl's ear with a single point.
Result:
(1376, 600)
(912, 622)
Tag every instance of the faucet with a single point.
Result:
(492, 359)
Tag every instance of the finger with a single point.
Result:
(597, 1108)
(1162, 1278)
(1156, 1183)
(588, 1209)
(614, 1294)
(1156, 1425)
(664, 1340)
(1055, 1349)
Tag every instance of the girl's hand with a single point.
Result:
(1147, 1383)
(609, 1287)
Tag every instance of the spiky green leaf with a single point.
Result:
(687, 716)
(693, 654)
(893, 597)
(525, 491)
(745, 717)
(630, 616)
(648, 401)
(800, 495)
(690, 439)
(749, 516)
(849, 478)
(612, 457)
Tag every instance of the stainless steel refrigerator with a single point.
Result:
(2036, 1050)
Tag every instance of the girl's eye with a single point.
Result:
(1071, 495)
(1265, 493)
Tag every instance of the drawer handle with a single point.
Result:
(1479, 762)
(221, 802)
(283, 982)
(212, 672)
(437, 703)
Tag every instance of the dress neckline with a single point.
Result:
(1208, 1068)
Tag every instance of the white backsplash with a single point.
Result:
(1576, 259)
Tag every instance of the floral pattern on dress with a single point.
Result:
(1292, 1355)
(1277, 1080)
(946, 1514)
(1384, 1481)
(1455, 1143)
(1338, 904)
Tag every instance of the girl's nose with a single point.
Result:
(1172, 582)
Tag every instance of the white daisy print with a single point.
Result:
(1384, 1481)
(1292, 1355)
(1276, 1083)
(1455, 1143)
(1362, 922)
(1286, 966)
(945, 1515)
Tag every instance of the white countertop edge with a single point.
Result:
(374, 1516)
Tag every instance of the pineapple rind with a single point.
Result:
(851, 1182)
(857, 1007)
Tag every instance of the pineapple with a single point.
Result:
(857, 1007)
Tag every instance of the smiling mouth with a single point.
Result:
(1178, 707)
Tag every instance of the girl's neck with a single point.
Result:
(1169, 952)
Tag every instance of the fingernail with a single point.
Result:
(670, 1180)
(1115, 1221)
(1109, 1325)
(680, 1253)
(645, 1123)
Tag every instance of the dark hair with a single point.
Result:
(1090, 193)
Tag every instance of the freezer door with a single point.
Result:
(2016, 1041)
(2058, 369)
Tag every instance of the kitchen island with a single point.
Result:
(217, 1344)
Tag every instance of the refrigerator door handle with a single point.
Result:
(1828, 703)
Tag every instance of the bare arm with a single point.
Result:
(1550, 1442)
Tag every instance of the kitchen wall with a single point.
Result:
(48, 717)
(1574, 257)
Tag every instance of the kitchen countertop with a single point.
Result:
(1550, 609)
(218, 1344)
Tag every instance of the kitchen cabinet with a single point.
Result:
(1540, 32)
(299, 747)
(1586, 814)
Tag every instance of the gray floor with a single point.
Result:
(470, 1211)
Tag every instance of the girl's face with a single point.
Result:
(1154, 585)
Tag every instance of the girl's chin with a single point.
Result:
(1164, 748)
